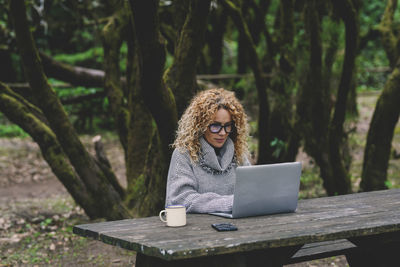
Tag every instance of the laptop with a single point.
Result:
(265, 189)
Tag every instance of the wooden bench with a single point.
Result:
(320, 250)
(365, 227)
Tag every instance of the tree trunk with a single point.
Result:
(7, 72)
(215, 40)
(242, 44)
(380, 135)
(30, 119)
(261, 82)
(282, 89)
(313, 103)
(107, 198)
(181, 76)
(158, 98)
(324, 139)
(112, 37)
(141, 132)
(386, 114)
(336, 134)
(146, 192)
(388, 33)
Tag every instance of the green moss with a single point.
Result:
(136, 190)
(75, 58)
(12, 130)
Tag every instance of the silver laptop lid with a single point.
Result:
(266, 189)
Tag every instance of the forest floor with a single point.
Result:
(37, 213)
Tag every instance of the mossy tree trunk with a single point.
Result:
(215, 39)
(282, 85)
(261, 81)
(112, 38)
(253, 13)
(107, 197)
(32, 120)
(349, 14)
(151, 60)
(323, 135)
(144, 109)
(386, 113)
(313, 107)
(242, 54)
(145, 169)
(380, 135)
(7, 73)
(388, 31)
(181, 76)
(152, 97)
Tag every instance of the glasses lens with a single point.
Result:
(228, 128)
(215, 128)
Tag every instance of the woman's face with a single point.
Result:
(217, 140)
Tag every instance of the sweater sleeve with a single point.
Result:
(182, 189)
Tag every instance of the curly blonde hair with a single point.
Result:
(200, 113)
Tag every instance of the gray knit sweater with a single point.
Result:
(206, 186)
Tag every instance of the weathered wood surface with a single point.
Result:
(316, 220)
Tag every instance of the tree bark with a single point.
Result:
(157, 97)
(380, 135)
(95, 180)
(389, 40)
(313, 104)
(30, 118)
(336, 134)
(282, 88)
(7, 72)
(261, 82)
(215, 40)
(386, 114)
(141, 132)
(112, 37)
(181, 76)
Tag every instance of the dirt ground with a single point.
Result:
(37, 214)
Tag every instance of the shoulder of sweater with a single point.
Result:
(179, 154)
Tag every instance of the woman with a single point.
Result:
(211, 142)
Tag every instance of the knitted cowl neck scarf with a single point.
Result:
(208, 159)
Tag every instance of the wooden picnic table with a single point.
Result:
(370, 221)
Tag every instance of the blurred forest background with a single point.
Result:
(94, 90)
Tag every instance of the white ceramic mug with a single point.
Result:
(175, 215)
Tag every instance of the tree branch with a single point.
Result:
(108, 201)
(20, 112)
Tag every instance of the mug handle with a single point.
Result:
(161, 216)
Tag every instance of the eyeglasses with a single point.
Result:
(217, 127)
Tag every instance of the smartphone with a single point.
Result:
(224, 227)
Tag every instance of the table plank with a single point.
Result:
(316, 220)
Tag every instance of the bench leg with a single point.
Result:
(375, 251)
